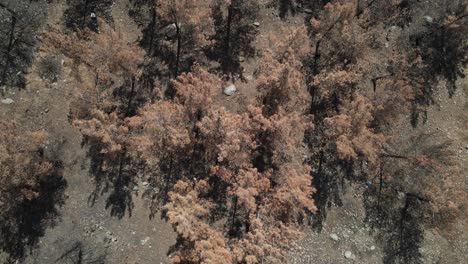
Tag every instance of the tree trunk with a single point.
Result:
(152, 29)
(121, 165)
(179, 46)
(168, 181)
(227, 41)
(130, 97)
(316, 58)
(234, 213)
(83, 20)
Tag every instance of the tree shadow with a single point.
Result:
(20, 22)
(233, 37)
(117, 181)
(329, 179)
(396, 221)
(442, 50)
(79, 253)
(28, 220)
(287, 6)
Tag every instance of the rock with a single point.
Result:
(308, 11)
(348, 254)
(7, 101)
(143, 241)
(334, 237)
(145, 183)
(429, 19)
(372, 248)
(114, 239)
(170, 31)
(230, 90)
(466, 147)
(241, 59)
(256, 24)
(47, 110)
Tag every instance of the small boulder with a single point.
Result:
(334, 237)
(257, 24)
(230, 90)
(144, 241)
(429, 19)
(170, 31)
(308, 11)
(7, 101)
(348, 254)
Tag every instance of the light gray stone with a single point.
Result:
(334, 237)
(230, 90)
(429, 19)
(171, 30)
(7, 101)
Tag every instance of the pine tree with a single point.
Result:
(280, 81)
(350, 133)
(31, 189)
(234, 32)
(192, 26)
(237, 176)
(101, 107)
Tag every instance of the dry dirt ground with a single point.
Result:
(88, 233)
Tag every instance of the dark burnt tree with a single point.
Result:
(419, 185)
(19, 21)
(442, 48)
(234, 32)
(31, 188)
(187, 25)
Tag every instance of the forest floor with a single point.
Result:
(88, 233)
